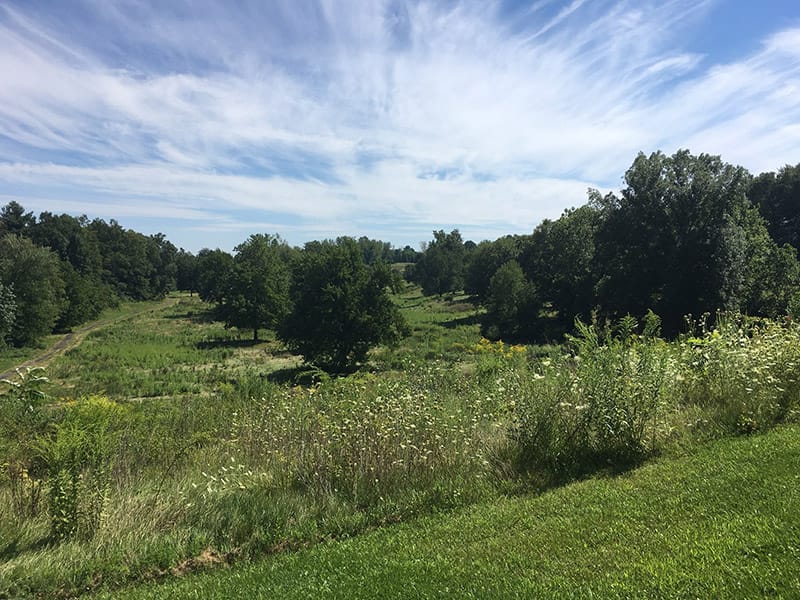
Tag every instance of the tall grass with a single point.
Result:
(127, 490)
(617, 397)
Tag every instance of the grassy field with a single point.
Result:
(723, 522)
(165, 443)
(12, 357)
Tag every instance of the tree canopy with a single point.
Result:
(258, 284)
(681, 238)
(34, 276)
(440, 268)
(341, 306)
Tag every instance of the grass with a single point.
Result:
(723, 522)
(175, 444)
(11, 357)
(440, 329)
(176, 352)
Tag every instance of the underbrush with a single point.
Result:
(97, 490)
(239, 475)
(616, 397)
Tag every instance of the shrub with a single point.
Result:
(78, 455)
(743, 374)
(597, 405)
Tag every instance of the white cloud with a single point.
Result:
(326, 115)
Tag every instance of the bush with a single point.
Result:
(742, 375)
(79, 457)
(597, 405)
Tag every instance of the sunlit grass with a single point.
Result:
(720, 523)
(223, 452)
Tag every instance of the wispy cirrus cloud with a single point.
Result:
(384, 118)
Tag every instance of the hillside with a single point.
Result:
(723, 522)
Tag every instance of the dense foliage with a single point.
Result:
(440, 269)
(257, 294)
(34, 275)
(341, 306)
(65, 270)
(682, 238)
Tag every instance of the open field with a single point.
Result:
(166, 443)
(53, 345)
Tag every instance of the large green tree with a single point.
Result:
(258, 285)
(14, 219)
(559, 260)
(81, 266)
(186, 271)
(777, 196)
(34, 274)
(679, 239)
(137, 266)
(509, 303)
(213, 271)
(440, 268)
(341, 306)
(486, 258)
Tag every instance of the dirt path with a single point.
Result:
(72, 339)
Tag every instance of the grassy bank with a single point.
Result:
(167, 443)
(720, 523)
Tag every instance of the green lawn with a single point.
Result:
(723, 522)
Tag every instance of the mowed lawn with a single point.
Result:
(722, 522)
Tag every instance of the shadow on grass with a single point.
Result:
(200, 317)
(468, 320)
(228, 343)
(300, 375)
(13, 548)
(525, 480)
(307, 375)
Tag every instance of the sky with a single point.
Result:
(211, 121)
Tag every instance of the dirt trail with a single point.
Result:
(72, 339)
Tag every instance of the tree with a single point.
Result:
(8, 311)
(778, 199)
(81, 266)
(137, 266)
(186, 271)
(375, 250)
(440, 268)
(258, 286)
(213, 270)
(509, 299)
(161, 255)
(405, 255)
(559, 260)
(675, 240)
(486, 259)
(341, 306)
(34, 274)
(14, 219)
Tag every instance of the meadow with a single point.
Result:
(165, 443)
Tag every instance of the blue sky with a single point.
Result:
(209, 121)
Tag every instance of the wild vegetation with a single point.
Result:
(720, 523)
(219, 459)
(309, 394)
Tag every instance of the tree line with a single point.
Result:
(328, 300)
(687, 235)
(58, 271)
